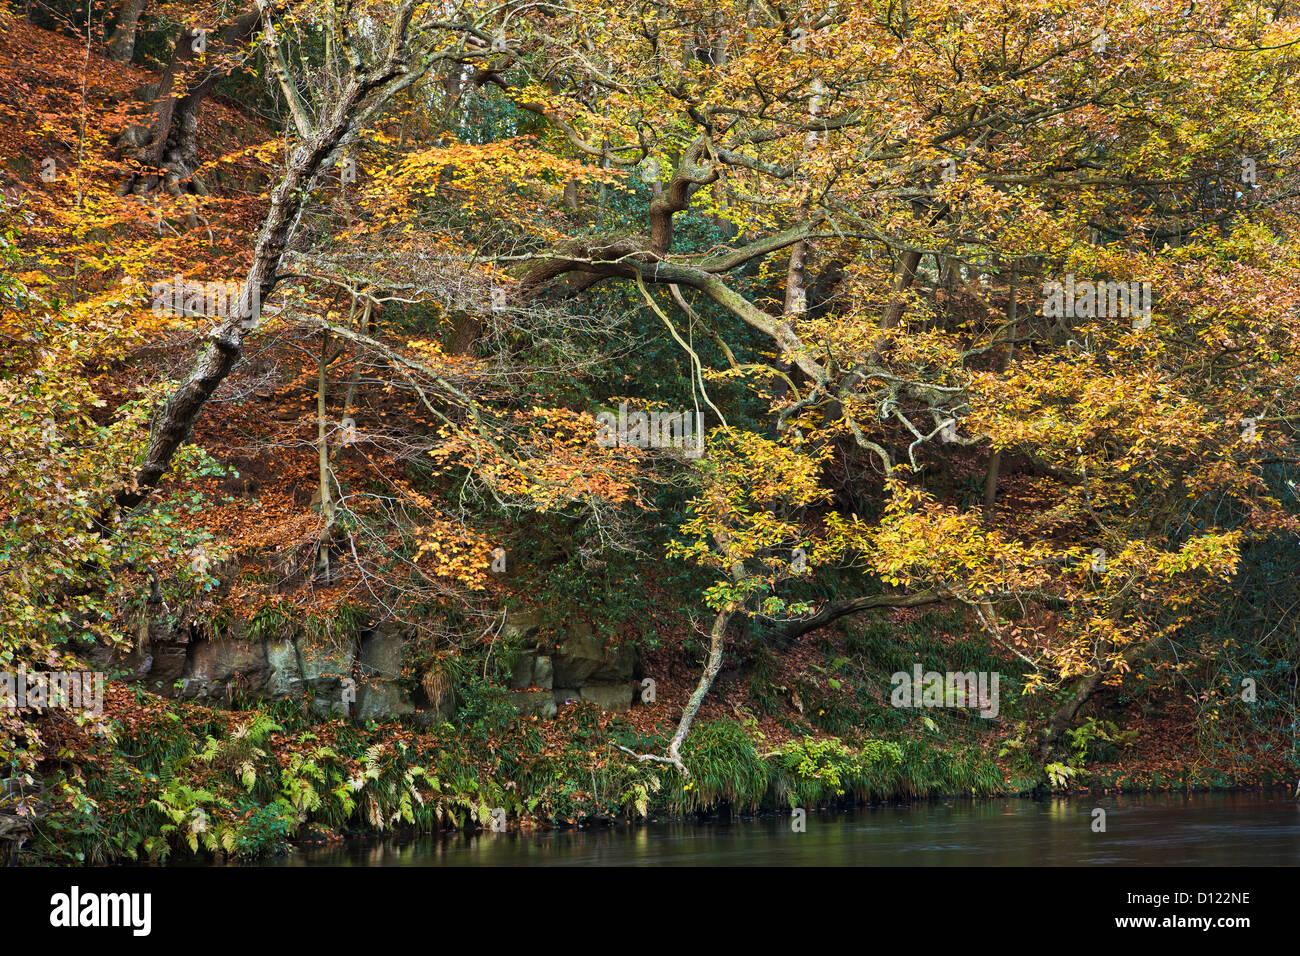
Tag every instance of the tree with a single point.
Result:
(366, 89)
(896, 147)
(997, 280)
(168, 157)
(121, 44)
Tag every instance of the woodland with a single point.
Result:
(587, 410)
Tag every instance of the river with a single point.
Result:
(1164, 829)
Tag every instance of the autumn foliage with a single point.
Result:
(832, 230)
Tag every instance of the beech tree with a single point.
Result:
(168, 154)
(121, 43)
(1023, 282)
(940, 169)
(912, 182)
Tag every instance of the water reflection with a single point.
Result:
(1240, 829)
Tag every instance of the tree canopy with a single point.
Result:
(984, 306)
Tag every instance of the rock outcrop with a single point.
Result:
(363, 677)
(579, 667)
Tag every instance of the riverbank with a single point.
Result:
(173, 779)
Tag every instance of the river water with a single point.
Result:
(1166, 829)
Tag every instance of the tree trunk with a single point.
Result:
(908, 267)
(121, 45)
(465, 333)
(717, 643)
(902, 282)
(1004, 360)
(1080, 694)
(225, 343)
(1063, 719)
(326, 492)
(170, 156)
(796, 303)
